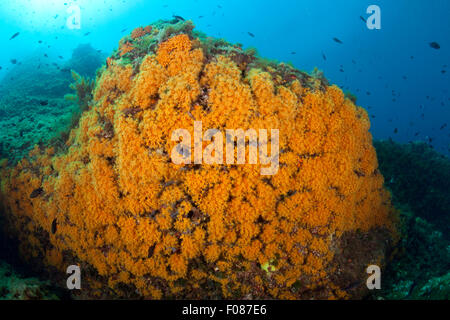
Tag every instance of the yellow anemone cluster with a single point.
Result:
(115, 203)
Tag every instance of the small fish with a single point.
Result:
(293, 52)
(123, 30)
(87, 33)
(435, 45)
(324, 56)
(43, 102)
(40, 41)
(179, 18)
(443, 126)
(61, 57)
(337, 40)
(45, 55)
(54, 226)
(14, 35)
(1, 68)
(151, 250)
(36, 193)
(362, 18)
(395, 130)
(251, 34)
(13, 61)
(443, 71)
(200, 17)
(416, 134)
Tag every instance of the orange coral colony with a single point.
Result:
(114, 203)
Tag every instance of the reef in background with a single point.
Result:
(140, 226)
(419, 179)
(33, 109)
(14, 286)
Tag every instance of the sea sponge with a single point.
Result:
(115, 203)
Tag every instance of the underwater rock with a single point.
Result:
(419, 177)
(141, 226)
(420, 266)
(16, 287)
(32, 105)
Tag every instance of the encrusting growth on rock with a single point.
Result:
(144, 226)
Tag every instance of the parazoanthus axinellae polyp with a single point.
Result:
(143, 224)
(235, 146)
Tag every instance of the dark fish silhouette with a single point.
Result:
(36, 193)
(43, 102)
(123, 30)
(200, 17)
(337, 40)
(45, 55)
(61, 57)
(54, 226)
(151, 250)
(14, 35)
(179, 18)
(435, 45)
(13, 61)
(416, 134)
(40, 41)
(251, 34)
(1, 68)
(87, 33)
(443, 126)
(293, 52)
(395, 130)
(324, 56)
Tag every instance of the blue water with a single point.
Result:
(377, 64)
